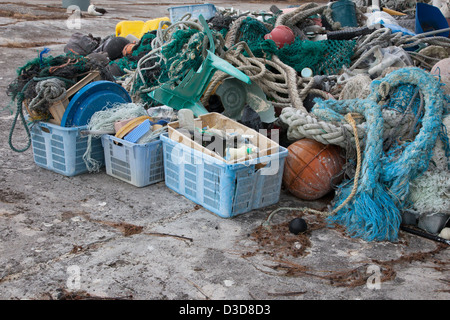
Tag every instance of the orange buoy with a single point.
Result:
(312, 169)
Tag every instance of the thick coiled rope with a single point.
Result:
(301, 125)
(48, 92)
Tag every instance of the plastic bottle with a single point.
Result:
(392, 57)
(380, 17)
(186, 119)
(239, 153)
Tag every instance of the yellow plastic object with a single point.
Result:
(138, 28)
(131, 125)
(124, 28)
(393, 12)
(150, 25)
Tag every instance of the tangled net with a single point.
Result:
(398, 121)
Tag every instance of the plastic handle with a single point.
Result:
(45, 128)
(217, 62)
(203, 22)
(227, 67)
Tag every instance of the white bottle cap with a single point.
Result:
(307, 73)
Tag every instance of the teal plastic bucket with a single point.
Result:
(344, 11)
(82, 4)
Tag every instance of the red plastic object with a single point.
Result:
(281, 35)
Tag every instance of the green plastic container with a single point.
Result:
(82, 4)
(344, 11)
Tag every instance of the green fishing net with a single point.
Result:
(144, 46)
(69, 68)
(185, 52)
(324, 57)
(252, 32)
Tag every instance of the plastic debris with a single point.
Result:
(301, 70)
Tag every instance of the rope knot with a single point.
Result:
(48, 91)
(51, 89)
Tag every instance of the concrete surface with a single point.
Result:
(95, 236)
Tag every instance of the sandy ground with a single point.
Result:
(95, 236)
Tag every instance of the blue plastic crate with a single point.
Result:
(137, 164)
(61, 149)
(207, 10)
(224, 189)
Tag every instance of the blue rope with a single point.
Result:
(374, 213)
(443, 135)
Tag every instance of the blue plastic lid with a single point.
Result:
(139, 131)
(91, 98)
